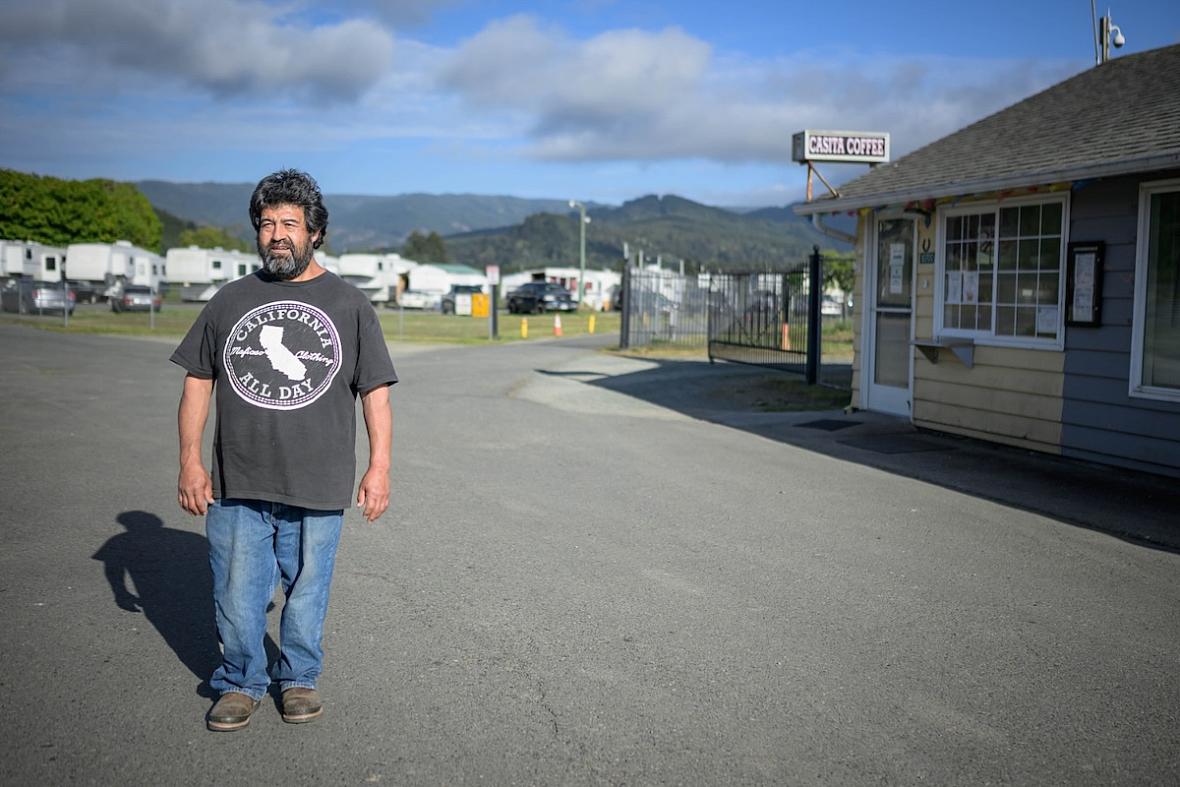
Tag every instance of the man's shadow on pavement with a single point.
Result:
(173, 588)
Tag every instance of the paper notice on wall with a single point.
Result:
(954, 287)
(971, 287)
(1047, 319)
(1083, 286)
(896, 268)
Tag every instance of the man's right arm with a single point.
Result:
(195, 486)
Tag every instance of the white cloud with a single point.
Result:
(225, 47)
(636, 95)
(153, 81)
(517, 63)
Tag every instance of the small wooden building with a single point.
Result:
(1019, 280)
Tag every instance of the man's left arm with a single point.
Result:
(373, 494)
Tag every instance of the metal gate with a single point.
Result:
(770, 319)
(759, 318)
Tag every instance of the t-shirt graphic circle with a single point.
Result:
(282, 355)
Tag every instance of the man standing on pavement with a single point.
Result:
(287, 349)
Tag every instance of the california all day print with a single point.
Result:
(282, 355)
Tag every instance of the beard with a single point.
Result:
(285, 266)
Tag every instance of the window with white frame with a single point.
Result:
(1001, 272)
(1155, 346)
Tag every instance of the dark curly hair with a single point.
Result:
(291, 187)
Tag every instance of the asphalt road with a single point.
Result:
(573, 586)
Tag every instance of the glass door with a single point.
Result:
(890, 295)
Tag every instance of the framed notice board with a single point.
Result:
(1083, 283)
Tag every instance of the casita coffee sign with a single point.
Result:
(862, 147)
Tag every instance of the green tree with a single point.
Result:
(839, 270)
(425, 248)
(212, 237)
(60, 212)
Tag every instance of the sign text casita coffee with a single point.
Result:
(865, 147)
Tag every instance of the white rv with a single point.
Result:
(397, 275)
(440, 278)
(201, 272)
(111, 265)
(367, 273)
(32, 260)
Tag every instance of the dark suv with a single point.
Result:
(535, 297)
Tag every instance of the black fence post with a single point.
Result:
(625, 322)
(814, 321)
(495, 321)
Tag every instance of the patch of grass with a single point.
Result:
(171, 321)
(174, 320)
(663, 350)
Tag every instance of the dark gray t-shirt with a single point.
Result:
(288, 360)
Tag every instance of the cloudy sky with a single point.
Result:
(600, 100)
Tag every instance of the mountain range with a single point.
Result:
(518, 233)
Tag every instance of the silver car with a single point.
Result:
(135, 298)
(27, 296)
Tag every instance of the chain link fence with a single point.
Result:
(771, 319)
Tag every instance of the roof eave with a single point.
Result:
(1104, 170)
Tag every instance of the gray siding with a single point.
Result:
(1100, 421)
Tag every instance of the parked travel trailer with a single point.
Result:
(440, 278)
(90, 262)
(133, 265)
(367, 273)
(12, 258)
(31, 260)
(110, 266)
(201, 272)
(397, 275)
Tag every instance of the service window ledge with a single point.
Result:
(964, 349)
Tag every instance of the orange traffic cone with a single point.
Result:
(557, 325)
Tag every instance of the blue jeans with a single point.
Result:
(252, 544)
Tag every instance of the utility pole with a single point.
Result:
(582, 222)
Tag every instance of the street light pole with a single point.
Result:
(582, 221)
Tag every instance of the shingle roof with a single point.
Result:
(1120, 117)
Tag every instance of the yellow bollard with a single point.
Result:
(590, 327)
(524, 327)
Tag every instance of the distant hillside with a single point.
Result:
(356, 222)
(518, 233)
(671, 227)
(841, 221)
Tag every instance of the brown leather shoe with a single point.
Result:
(300, 705)
(231, 712)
